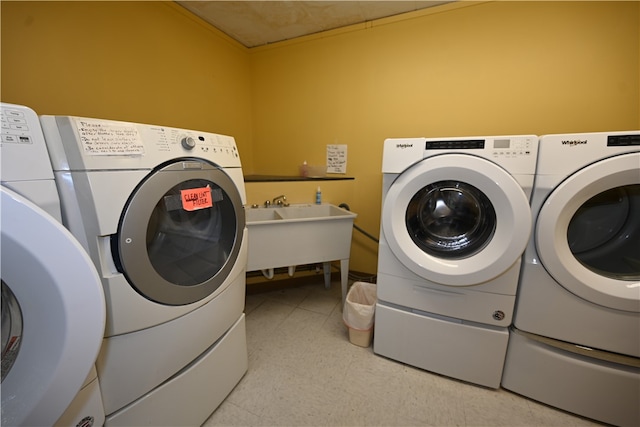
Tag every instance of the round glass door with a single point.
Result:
(588, 233)
(450, 219)
(53, 314)
(180, 233)
(455, 219)
(11, 329)
(604, 233)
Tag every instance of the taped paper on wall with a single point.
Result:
(336, 158)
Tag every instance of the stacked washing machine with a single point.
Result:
(53, 307)
(160, 212)
(575, 343)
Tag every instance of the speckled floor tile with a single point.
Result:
(303, 371)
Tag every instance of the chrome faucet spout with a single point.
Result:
(280, 200)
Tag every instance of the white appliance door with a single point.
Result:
(54, 291)
(588, 233)
(180, 233)
(456, 219)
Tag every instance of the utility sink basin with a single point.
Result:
(299, 234)
(266, 214)
(304, 212)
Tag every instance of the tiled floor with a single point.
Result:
(303, 371)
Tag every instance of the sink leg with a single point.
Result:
(344, 278)
(326, 267)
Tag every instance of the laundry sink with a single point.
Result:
(303, 212)
(263, 214)
(299, 234)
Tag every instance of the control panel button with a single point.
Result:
(188, 142)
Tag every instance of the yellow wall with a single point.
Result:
(147, 62)
(465, 69)
(462, 69)
(333, 191)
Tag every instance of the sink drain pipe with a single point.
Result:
(346, 206)
(268, 273)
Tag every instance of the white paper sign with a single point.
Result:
(104, 138)
(336, 158)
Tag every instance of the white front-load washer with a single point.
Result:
(53, 308)
(576, 338)
(160, 212)
(455, 221)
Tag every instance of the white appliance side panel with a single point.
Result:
(93, 202)
(85, 409)
(43, 193)
(592, 388)
(99, 197)
(237, 177)
(466, 352)
(526, 182)
(133, 364)
(193, 395)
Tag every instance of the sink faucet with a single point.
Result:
(280, 200)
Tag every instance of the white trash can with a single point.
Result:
(358, 312)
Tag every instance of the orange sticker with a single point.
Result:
(196, 198)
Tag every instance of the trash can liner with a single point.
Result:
(360, 305)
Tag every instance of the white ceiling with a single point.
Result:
(256, 23)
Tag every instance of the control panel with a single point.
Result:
(22, 149)
(15, 129)
(498, 146)
(107, 144)
(512, 147)
(515, 153)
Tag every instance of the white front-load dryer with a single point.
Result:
(53, 308)
(160, 212)
(455, 221)
(576, 341)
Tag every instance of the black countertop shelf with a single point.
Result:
(280, 178)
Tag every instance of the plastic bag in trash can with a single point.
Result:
(360, 306)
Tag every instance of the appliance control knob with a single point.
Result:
(188, 143)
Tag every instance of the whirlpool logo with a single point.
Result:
(405, 145)
(573, 142)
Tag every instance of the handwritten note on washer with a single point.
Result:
(336, 158)
(105, 138)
